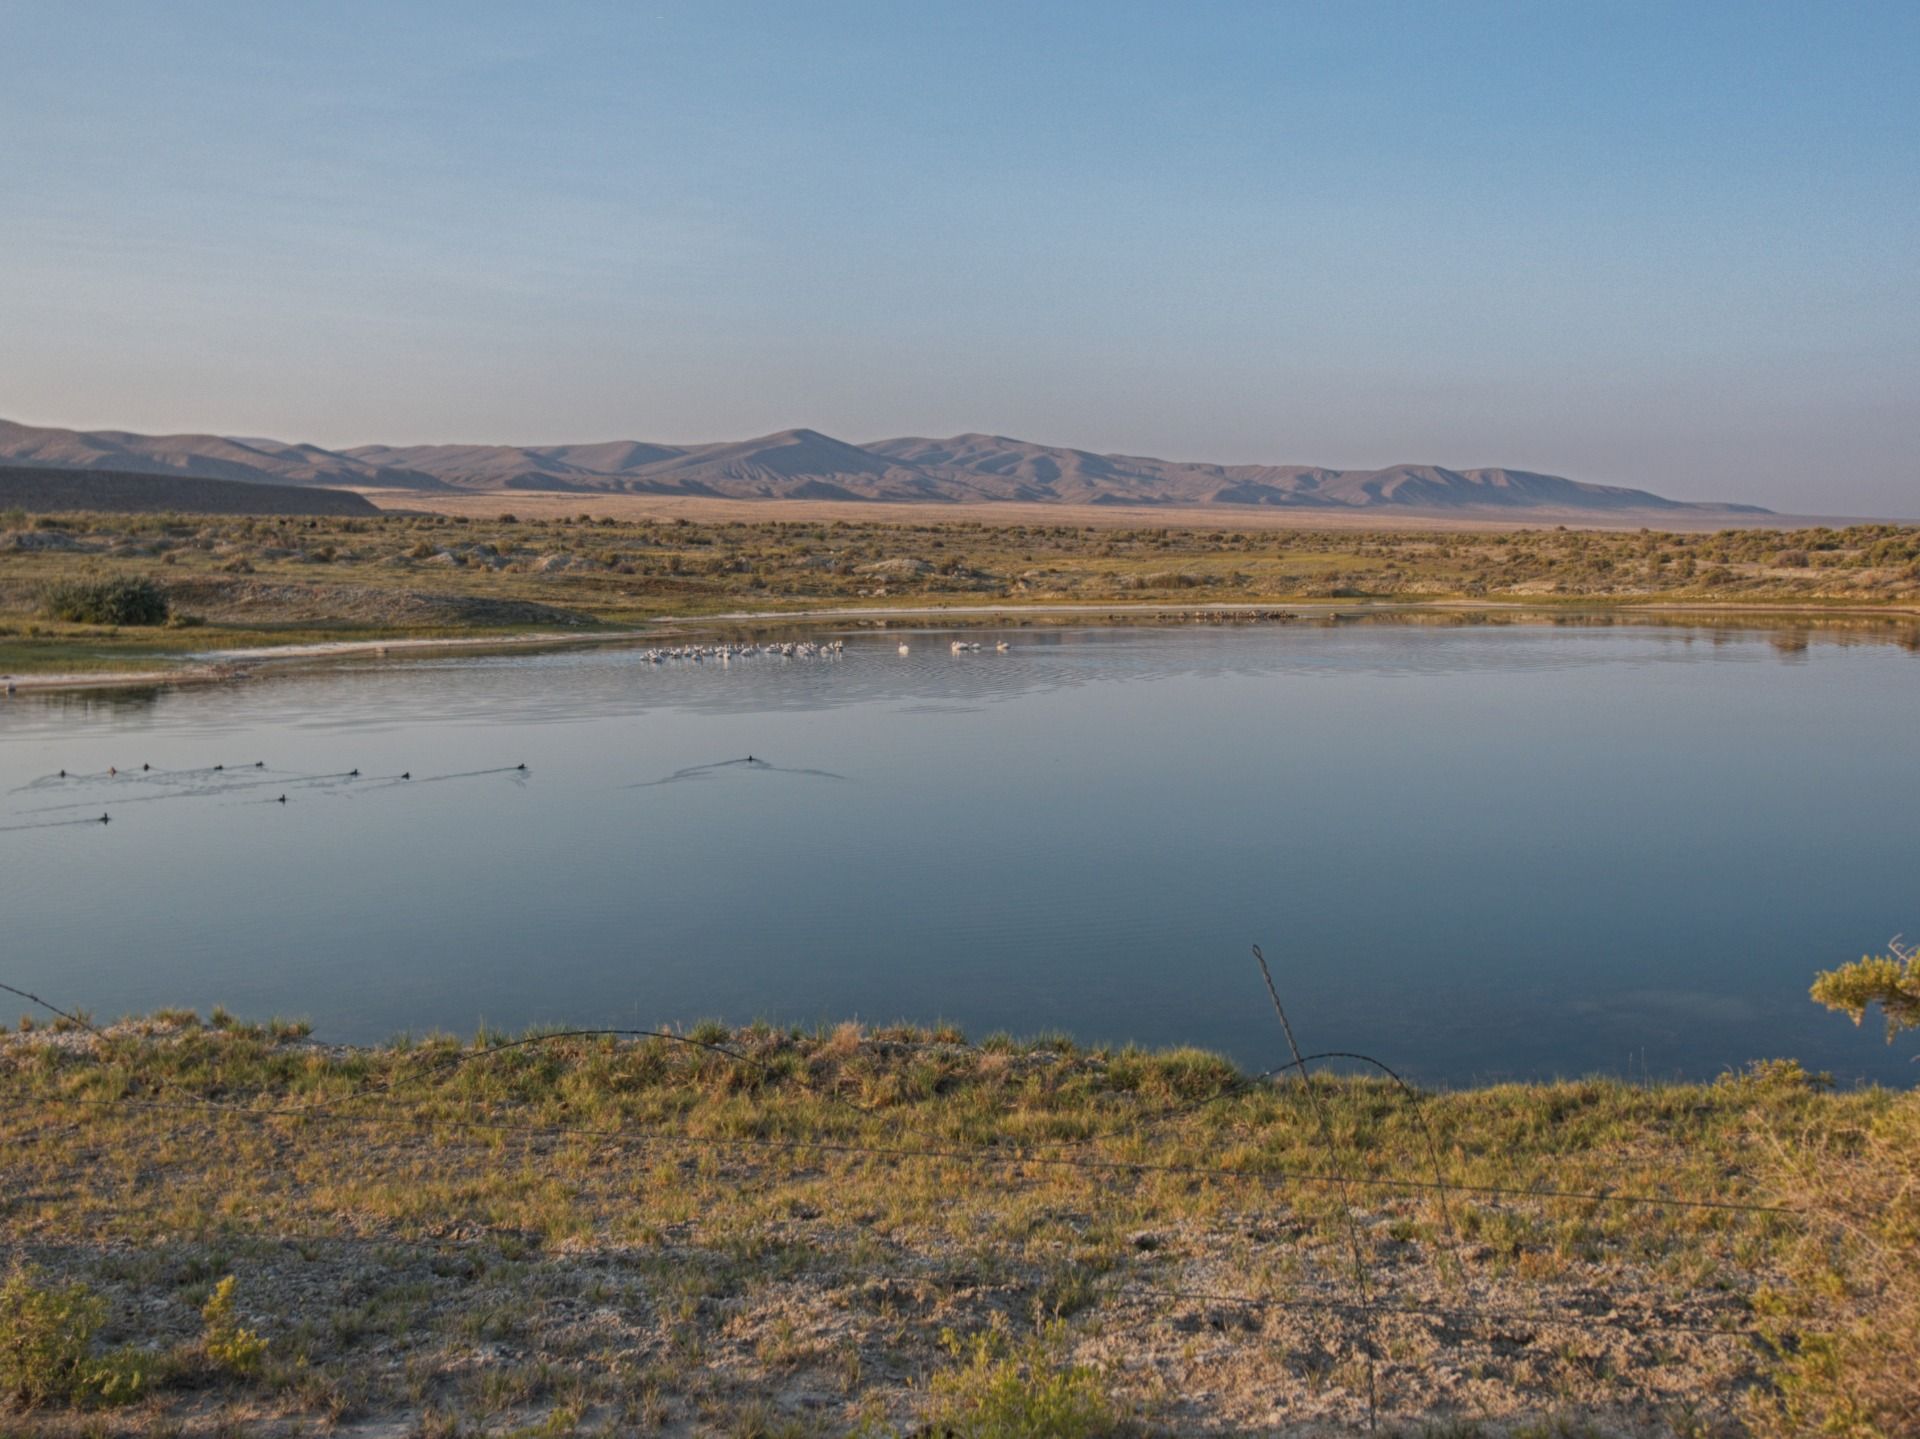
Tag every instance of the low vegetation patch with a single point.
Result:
(230, 1346)
(107, 602)
(770, 1231)
(1889, 982)
(263, 578)
(48, 1350)
(1849, 1340)
(994, 1389)
(1848, 1315)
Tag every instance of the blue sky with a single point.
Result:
(1675, 245)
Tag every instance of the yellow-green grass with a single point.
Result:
(594, 1232)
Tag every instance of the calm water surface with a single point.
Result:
(1476, 851)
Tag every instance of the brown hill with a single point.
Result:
(791, 465)
(209, 457)
(805, 464)
(513, 467)
(50, 491)
(1020, 469)
(1008, 469)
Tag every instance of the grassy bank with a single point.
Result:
(762, 1231)
(246, 581)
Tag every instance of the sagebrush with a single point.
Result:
(107, 602)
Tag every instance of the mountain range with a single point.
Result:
(807, 465)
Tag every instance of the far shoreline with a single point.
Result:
(549, 504)
(227, 665)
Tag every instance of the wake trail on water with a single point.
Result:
(703, 771)
(146, 774)
(209, 791)
(519, 771)
(50, 824)
(221, 781)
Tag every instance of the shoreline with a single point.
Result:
(222, 666)
(219, 666)
(1184, 516)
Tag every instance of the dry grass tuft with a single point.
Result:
(1850, 1314)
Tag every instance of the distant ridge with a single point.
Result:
(43, 490)
(804, 464)
(207, 457)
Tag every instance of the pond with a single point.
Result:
(1477, 849)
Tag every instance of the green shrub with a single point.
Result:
(1890, 981)
(228, 1345)
(106, 602)
(1763, 1076)
(997, 1391)
(46, 1347)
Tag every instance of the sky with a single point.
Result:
(1673, 246)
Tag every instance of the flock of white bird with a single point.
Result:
(788, 649)
(791, 649)
(960, 647)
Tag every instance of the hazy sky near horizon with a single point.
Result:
(1675, 246)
